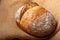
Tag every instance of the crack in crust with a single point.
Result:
(23, 9)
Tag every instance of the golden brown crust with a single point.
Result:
(36, 20)
(31, 14)
(23, 9)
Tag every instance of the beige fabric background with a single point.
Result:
(8, 27)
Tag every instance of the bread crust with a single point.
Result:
(36, 20)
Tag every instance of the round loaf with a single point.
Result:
(36, 20)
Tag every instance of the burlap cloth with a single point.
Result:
(8, 27)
